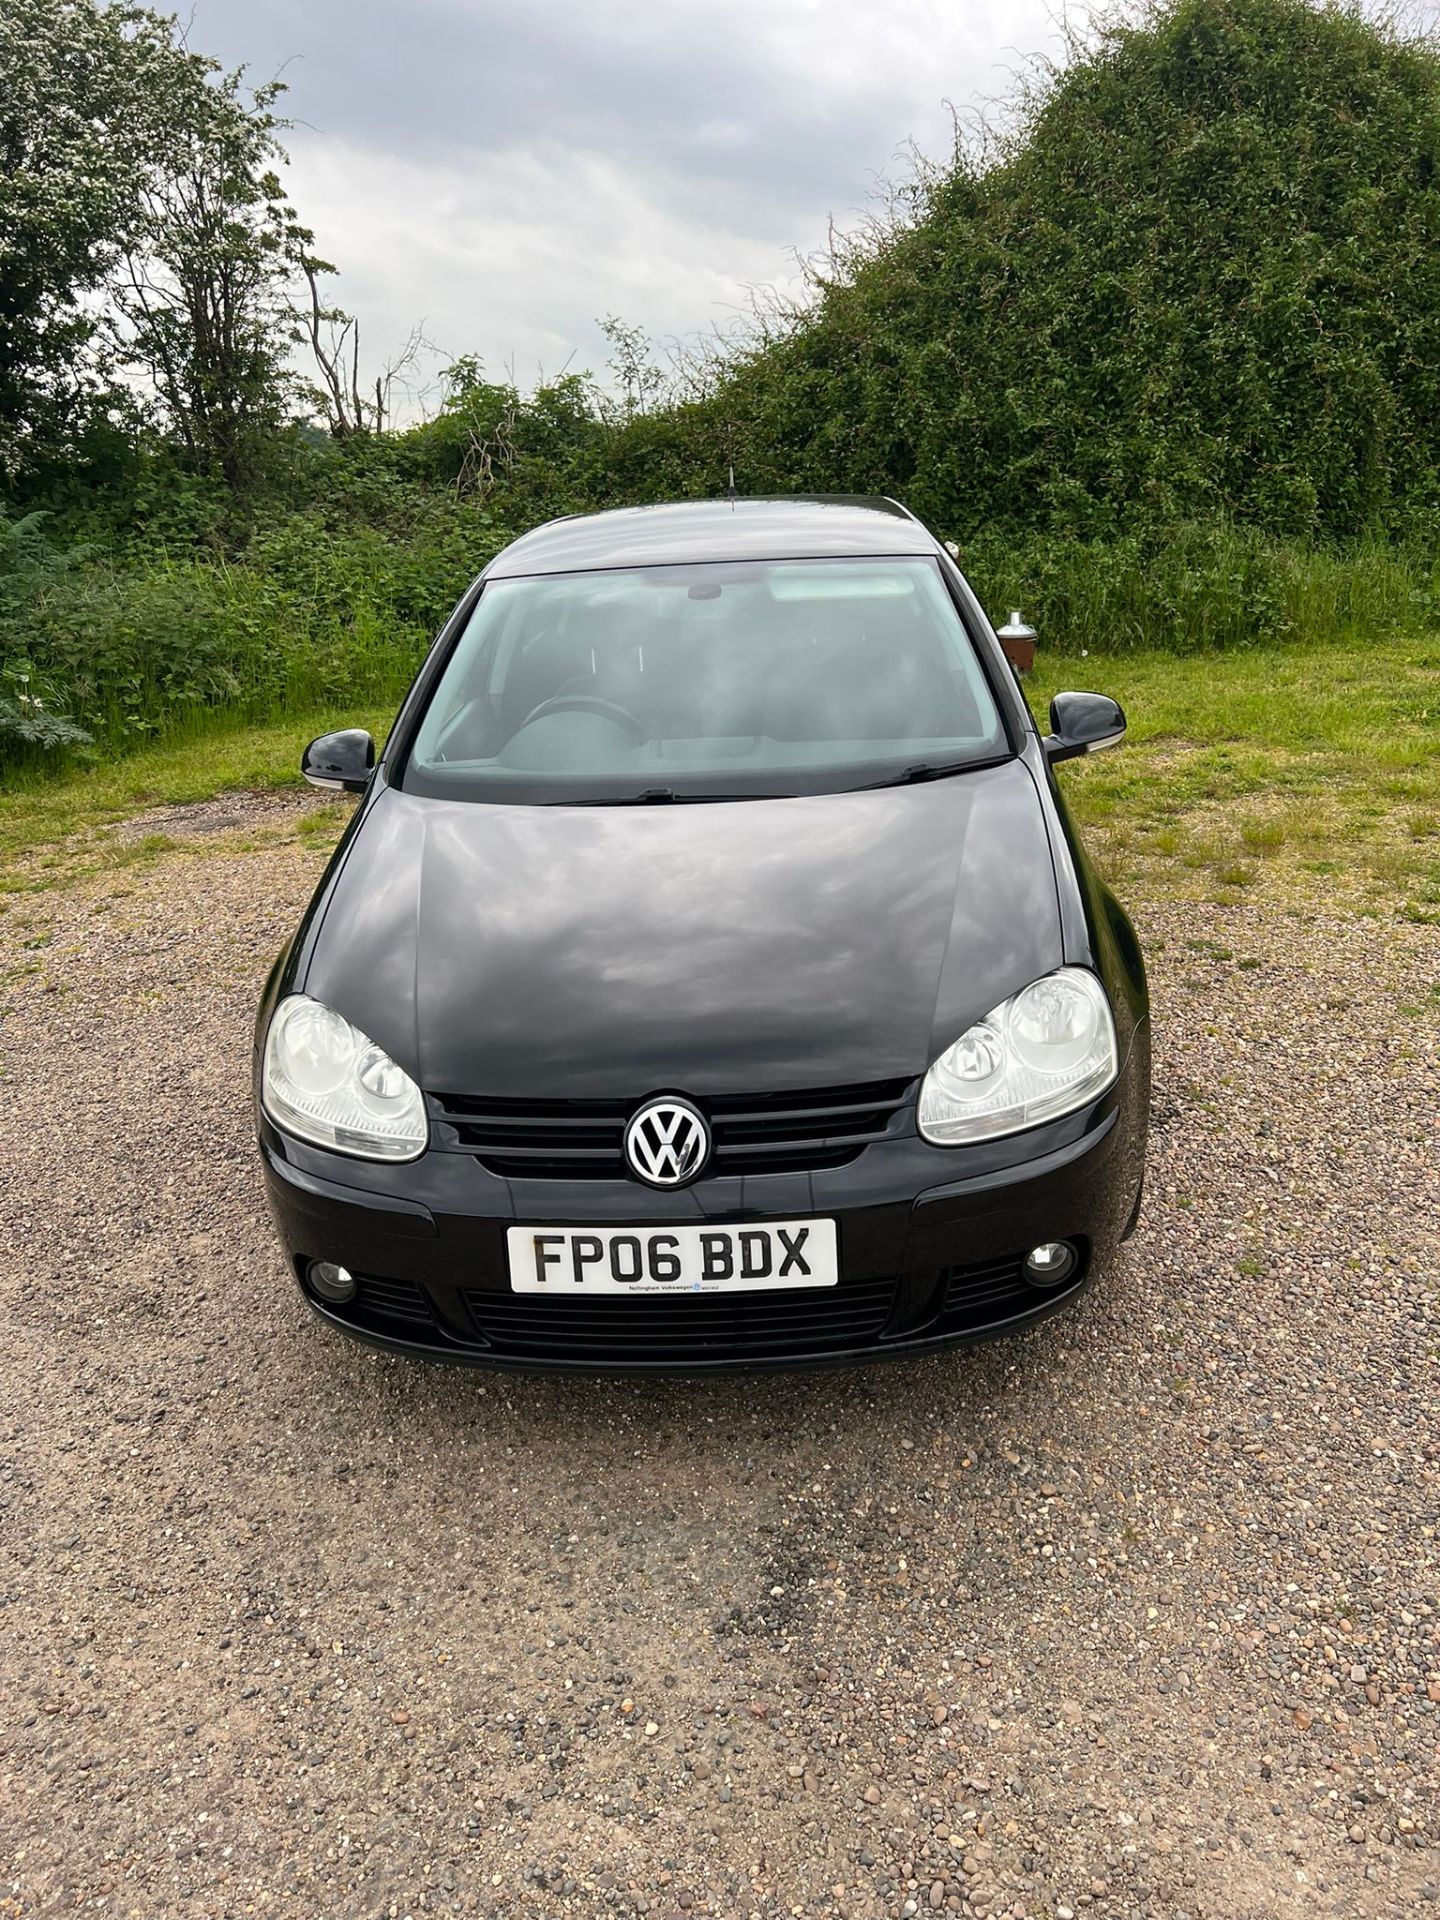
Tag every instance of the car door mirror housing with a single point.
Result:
(1083, 723)
(343, 761)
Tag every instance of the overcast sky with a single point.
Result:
(509, 172)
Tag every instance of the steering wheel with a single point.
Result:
(589, 703)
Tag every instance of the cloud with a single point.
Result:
(518, 256)
(510, 173)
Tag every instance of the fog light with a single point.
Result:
(1051, 1263)
(336, 1284)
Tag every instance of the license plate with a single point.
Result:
(689, 1259)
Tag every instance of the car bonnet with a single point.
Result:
(720, 947)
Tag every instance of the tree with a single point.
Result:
(203, 306)
(641, 382)
(350, 405)
(147, 250)
(84, 90)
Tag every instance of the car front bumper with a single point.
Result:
(932, 1245)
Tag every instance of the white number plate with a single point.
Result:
(698, 1259)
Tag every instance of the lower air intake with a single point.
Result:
(685, 1328)
(982, 1296)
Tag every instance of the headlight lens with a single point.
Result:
(324, 1081)
(1044, 1052)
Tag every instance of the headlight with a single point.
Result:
(1042, 1053)
(325, 1081)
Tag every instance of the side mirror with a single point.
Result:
(344, 760)
(1082, 723)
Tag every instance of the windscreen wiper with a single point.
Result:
(921, 770)
(660, 797)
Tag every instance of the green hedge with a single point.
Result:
(98, 651)
(1197, 589)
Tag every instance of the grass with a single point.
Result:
(37, 815)
(1244, 767)
(1241, 771)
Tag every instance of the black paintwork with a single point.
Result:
(700, 530)
(1081, 723)
(345, 760)
(753, 945)
(746, 947)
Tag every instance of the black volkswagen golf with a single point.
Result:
(711, 974)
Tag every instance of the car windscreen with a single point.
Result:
(715, 681)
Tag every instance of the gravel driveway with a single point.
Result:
(1136, 1615)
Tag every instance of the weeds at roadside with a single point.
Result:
(325, 821)
(1262, 836)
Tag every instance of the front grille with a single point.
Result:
(753, 1133)
(388, 1301)
(979, 1296)
(686, 1327)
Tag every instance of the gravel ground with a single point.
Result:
(1136, 1615)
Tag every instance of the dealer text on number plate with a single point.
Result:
(681, 1259)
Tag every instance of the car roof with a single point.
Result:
(810, 527)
